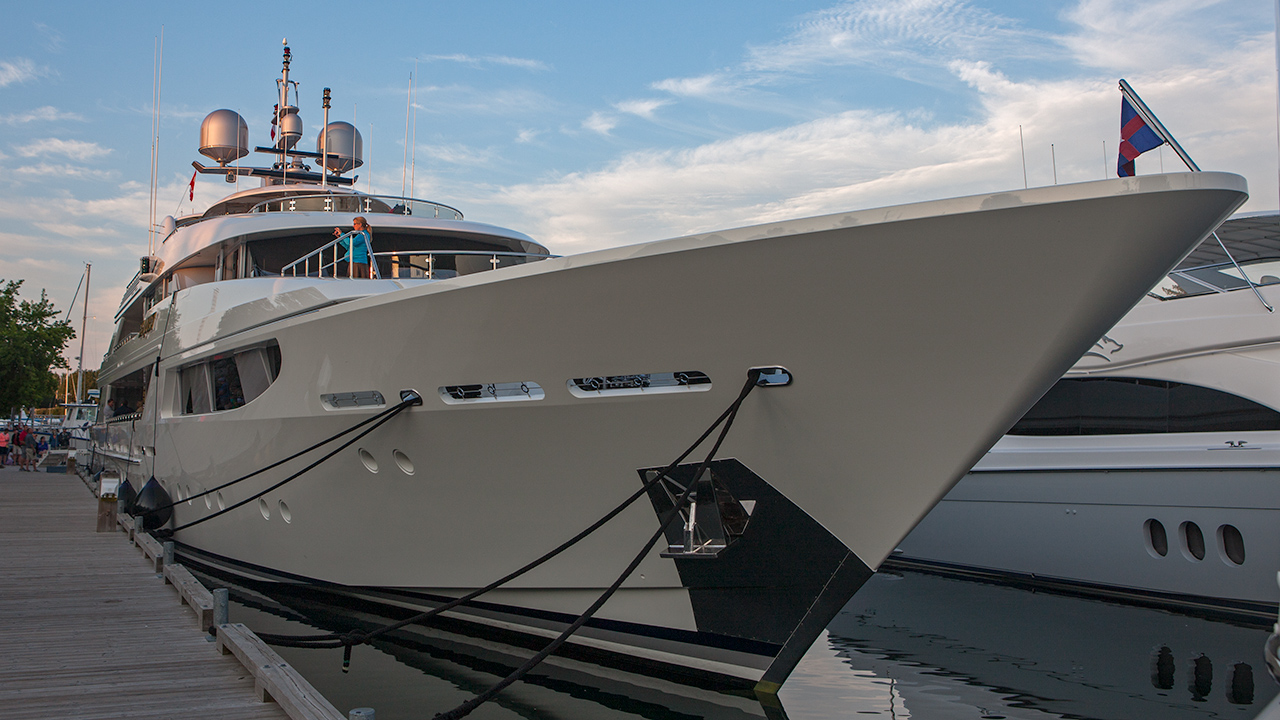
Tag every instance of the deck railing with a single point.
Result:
(337, 254)
(333, 202)
(428, 264)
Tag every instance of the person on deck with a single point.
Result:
(360, 241)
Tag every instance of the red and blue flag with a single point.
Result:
(1136, 137)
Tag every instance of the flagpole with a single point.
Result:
(1155, 124)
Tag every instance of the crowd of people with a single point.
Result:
(21, 445)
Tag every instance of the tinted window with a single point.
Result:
(1121, 406)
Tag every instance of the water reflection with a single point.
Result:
(957, 647)
(908, 646)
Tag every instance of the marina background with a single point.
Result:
(592, 126)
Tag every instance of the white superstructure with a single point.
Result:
(551, 385)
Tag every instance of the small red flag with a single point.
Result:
(191, 193)
(275, 119)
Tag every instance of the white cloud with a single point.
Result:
(600, 123)
(1155, 33)
(47, 113)
(527, 136)
(642, 108)
(701, 86)
(62, 170)
(862, 158)
(75, 149)
(19, 70)
(479, 60)
(889, 32)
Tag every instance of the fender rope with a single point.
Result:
(350, 639)
(380, 418)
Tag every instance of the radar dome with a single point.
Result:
(224, 136)
(346, 147)
(290, 127)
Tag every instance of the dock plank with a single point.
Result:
(87, 628)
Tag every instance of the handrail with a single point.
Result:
(305, 260)
(430, 269)
(332, 202)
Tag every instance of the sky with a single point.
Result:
(593, 125)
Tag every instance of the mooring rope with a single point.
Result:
(350, 639)
(410, 399)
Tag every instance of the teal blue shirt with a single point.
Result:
(360, 241)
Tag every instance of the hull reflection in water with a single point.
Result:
(952, 647)
(419, 671)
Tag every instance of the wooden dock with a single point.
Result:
(89, 630)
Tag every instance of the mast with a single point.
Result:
(84, 322)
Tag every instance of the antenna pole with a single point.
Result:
(404, 168)
(413, 165)
(1023, 145)
(280, 113)
(324, 163)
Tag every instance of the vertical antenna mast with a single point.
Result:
(324, 162)
(413, 164)
(408, 105)
(280, 113)
(158, 60)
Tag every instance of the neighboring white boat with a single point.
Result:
(915, 336)
(1152, 469)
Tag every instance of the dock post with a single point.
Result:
(361, 714)
(168, 554)
(220, 597)
(106, 514)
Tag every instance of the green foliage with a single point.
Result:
(31, 343)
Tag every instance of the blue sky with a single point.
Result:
(589, 125)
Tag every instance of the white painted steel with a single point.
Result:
(901, 382)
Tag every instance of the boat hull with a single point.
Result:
(995, 297)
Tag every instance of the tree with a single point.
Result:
(31, 343)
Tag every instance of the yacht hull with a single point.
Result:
(934, 325)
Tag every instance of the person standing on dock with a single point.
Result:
(4, 446)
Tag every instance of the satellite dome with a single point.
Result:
(224, 136)
(346, 147)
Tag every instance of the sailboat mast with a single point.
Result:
(84, 322)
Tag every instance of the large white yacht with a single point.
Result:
(551, 387)
(1152, 469)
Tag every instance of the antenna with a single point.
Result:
(1023, 145)
(1054, 156)
(404, 169)
(158, 61)
(413, 165)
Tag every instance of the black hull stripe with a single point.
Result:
(703, 639)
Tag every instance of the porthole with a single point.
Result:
(208, 501)
(222, 502)
(1231, 542)
(284, 513)
(1192, 541)
(370, 463)
(402, 460)
(1157, 539)
(264, 509)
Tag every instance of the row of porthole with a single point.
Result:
(184, 494)
(1230, 541)
(401, 459)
